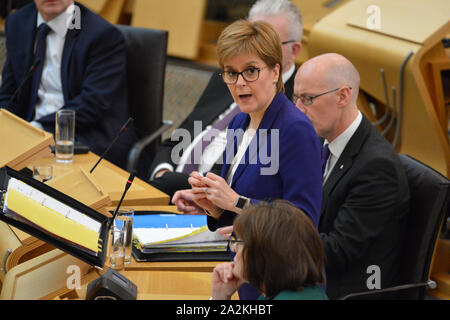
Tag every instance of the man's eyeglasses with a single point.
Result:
(232, 242)
(307, 100)
(250, 74)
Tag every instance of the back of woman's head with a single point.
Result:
(282, 248)
(257, 38)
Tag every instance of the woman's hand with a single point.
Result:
(224, 282)
(225, 232)
(184, 202)
(219, 192)
(199, 195)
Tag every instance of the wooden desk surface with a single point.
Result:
(181, 266)
(155, 280)
(161, 285)
(168, 285)
(111, 179)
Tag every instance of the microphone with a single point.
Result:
(122, 130)
(127, 186)
(27, 76)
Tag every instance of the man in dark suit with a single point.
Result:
(168, 170)
(83, 67)
(365, 197)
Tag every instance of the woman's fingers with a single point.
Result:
(225, 231)
(195, 179)
(195, 182)
(213, 176)
(196, 175)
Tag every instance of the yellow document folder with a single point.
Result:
(52, 216)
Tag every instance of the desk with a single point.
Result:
(163, 285)
(111, 179)
(174, 285)
(174, 281)
(155, 280)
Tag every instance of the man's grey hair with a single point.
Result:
(285, 7)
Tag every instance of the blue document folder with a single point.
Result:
(194, 245)
(169, 221)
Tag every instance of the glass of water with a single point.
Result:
(42, 173)
(117, 251)
(64, 136)
(124, 221)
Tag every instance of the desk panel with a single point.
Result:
(111, 179)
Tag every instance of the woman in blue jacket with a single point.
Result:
(273, 151)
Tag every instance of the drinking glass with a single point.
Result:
(42, 172)
(117, 253)
(64, 136)
(124, 221)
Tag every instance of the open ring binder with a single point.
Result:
(53, 217)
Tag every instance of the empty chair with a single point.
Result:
(146, 51)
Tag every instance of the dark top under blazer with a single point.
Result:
(93, 76)
(299, 175)
(364, 207)
(215, 99)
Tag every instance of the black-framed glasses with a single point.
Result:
(288, 41)
(307, 100)
(232, 242)
(250, 74)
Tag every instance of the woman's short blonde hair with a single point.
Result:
(258, 38)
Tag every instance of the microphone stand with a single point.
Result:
(122, 130)
(25, 80)
(127, 186)
(133, 158)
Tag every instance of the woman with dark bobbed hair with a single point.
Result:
(278, 251)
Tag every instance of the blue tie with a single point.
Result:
(325, 156)
(42, 33)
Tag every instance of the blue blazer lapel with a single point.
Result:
(257, 143)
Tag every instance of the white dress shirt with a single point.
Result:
(50, 96)
(215, 149)
(246, 139)
(338, 145)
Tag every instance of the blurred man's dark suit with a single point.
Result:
(93, 77)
